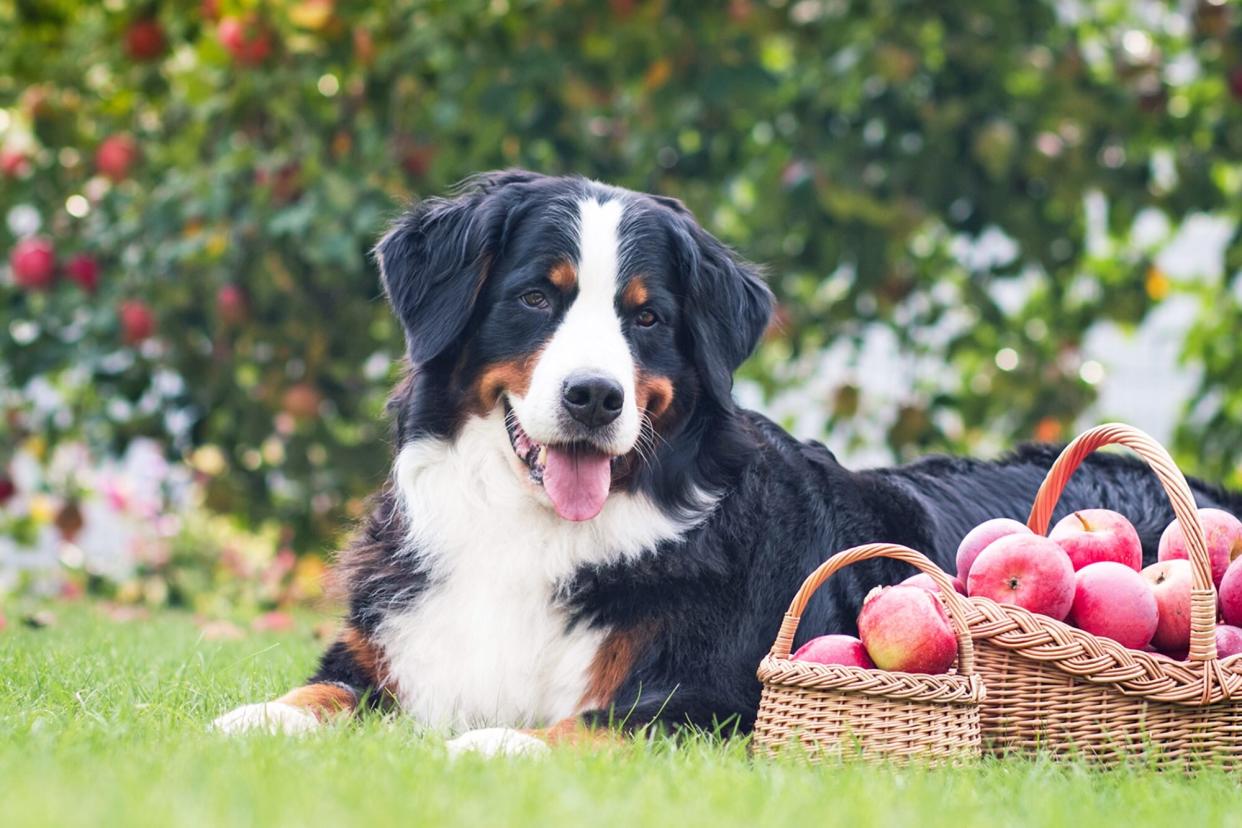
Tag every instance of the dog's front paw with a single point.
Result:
(496, 741)
(274, 717)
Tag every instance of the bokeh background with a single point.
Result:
(985, 222)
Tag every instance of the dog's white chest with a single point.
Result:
(485, 643)
(487, 648)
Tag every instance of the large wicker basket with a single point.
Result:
(1055, 688)
(836, 710)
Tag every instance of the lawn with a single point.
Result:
(104, 723)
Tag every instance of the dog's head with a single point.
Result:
(598, 320)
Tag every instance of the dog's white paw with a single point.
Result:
(496, 741)
(274, 717)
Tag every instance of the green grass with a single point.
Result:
(104, 723)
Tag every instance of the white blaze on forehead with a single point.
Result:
(590, 337)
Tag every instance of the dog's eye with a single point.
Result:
(646, 318)
(534, 299)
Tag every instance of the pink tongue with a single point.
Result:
(577, 482)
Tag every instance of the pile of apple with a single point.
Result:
(902, 627)
(1088, 572)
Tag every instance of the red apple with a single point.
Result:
(1114, 601)
(1230, 593)
(1228, 640)
(231, 304)
(33, 260)
(1223, 533)
(835, 649)
(13, 162)
(144, 39)
(85, 271)
(137, 321)
(1092, 535)
(7, 489)
(116, 155)
(247, 39)
(906, 628)
(1028, 571)
(301, 401)
(1170, 582)
(977, 540)
(924, 581)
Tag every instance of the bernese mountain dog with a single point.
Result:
(583, 534)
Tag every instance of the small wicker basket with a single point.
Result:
(835, 710)
(1057, 689)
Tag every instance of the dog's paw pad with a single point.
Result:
(496, 741)
(274, 717)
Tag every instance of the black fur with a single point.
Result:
(710, 603)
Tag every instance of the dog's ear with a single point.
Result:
(434, 260)
(729, 304)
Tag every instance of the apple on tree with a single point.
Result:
(137, 321)
(115, 156)
(13, 162)
(83, 270)
(144, 39)
(231, 304)
(247, 39)
(33, 260)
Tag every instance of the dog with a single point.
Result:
(583, 535)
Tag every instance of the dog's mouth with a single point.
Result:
(576, 476)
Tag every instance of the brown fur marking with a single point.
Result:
(324, 700)
(564, 276)
(655, 395)
(612, 663)
(510, 375)
(573, 731)
(635, 294)
(368, 658)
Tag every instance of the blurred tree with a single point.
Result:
(207, 179)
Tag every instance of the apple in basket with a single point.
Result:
(981, 537)
(1231, 594)
(835, 649)
(1026, 570)
(1228, 640)
(1114, 601)
(906, 628)
(1171, 582)
(924, 581)
(1223, 532)
(1092, 535)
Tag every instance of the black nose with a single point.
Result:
(592, 399)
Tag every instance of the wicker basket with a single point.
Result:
(1055, 688)
(835, 710)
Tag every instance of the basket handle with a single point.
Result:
(954, 602)
(1203, 591)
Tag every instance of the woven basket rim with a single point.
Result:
(946, 688)
(1102, 661)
